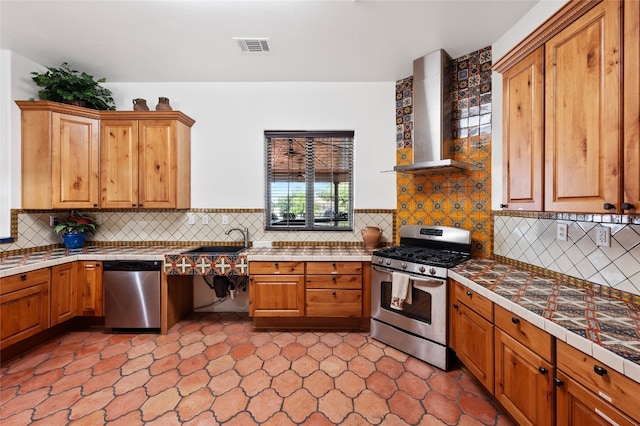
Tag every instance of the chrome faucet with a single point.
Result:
(244, 232)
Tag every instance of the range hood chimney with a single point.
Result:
(432, 105)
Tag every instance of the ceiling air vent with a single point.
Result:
(253, 45)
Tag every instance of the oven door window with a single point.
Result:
(419, 308)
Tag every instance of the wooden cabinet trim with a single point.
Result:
(556, 23)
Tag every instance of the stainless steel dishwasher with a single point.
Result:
(131, 294)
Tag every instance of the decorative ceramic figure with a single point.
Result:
(371, 236)
(140, 104)
(163, 104)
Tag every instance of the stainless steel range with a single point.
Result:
(418, 266)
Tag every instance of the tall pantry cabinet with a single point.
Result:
(76, 158)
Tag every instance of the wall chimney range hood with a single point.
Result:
(432, 106)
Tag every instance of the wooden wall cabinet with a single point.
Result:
(523, 133)
(524, 369)
(24, 306)
(60, 155)
(582, 113)
(333, 289)
(76, 157)
(64, 292)
(472, 323)
(90, 290)
(145, 161)
(590, 393)
(276, 289)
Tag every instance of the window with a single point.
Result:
(309, 180)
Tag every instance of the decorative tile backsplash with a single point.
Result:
(452, 198)
(533, 240)
(173, 226)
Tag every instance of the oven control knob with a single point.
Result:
(421, 268)
(404, 265)
(432, 270)
(380, 261)
(388, 262)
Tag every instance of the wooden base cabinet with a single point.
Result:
(24, 306)
(333, 289)
(90, 291)
(472, 323)
(276, 289)
(64, 288)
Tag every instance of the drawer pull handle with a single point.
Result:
(627, 206)
(334, 279)
(558, 382)
(543, 370)
(469, 294)
(504, 206)
(455, 306)
(600, 371)
(276, 265)
(334, 294)
(608, 206)
(605, 417)
(515, 320)
(23, 277)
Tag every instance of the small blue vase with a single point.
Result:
(73, 241)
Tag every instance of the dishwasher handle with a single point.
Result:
(131, 265)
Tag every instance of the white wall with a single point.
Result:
(15, 83)
(227, 153)
(227, 138)
(539, 13)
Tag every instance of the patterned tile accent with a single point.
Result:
(533, 240)
(452, 198)
(611, 323)
(172, 226)
(184, 264)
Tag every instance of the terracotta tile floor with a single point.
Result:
(215, 369)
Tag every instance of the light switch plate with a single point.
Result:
(225, 219)
(191, 218)
(205, 219)
(561, 232)
(603, 236)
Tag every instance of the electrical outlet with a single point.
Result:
(225, 219)
(603, 236)
(205, 219)
(53, 221)
(191, 218)
(561, 232)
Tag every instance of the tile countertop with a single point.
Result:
(607, 329)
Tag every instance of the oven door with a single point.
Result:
(426, 316)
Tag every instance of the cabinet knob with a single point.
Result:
(600, 371)
(558, 382)
(543, 370)
(23, 277)
(469, 293)
(276, 265)
(608, 206)
(139, 205)
(334, 294)
(133, 205)
(455, 306)
(95, 205)
(628, 206)
(334, 279)
(504, 206)
(515, 320)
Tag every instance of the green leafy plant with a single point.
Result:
(70, 86)
(75, 224)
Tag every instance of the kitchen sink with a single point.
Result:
(216, 250)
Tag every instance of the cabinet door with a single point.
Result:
(74, 157)
(474, 343)
(523, 382)
(119, 164)
(157, 164)
(64, 298)
(582, 113)
(523, 133)
(631, 193)
(276, 296)
(24, 306)
(90, 292)
(576, 406)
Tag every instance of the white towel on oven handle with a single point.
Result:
(400, 290)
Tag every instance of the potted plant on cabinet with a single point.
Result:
(74, 229)
(70, 86)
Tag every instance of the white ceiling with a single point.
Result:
(192, 40)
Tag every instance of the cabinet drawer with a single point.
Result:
(296, 268)
(314, 268)
(480, 304)
(20, 281)
(524, 332)
(334, 281)
(334, 303)
(611, 386)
